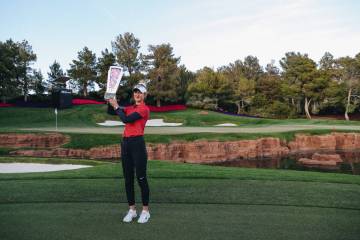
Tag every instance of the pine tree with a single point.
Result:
(26, 57)
(104, 62)
(299, 72)
(163, 72)
(83, 71)
(53, 76)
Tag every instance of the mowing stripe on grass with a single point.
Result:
(226, 191)
(190, 203)
(66, 221)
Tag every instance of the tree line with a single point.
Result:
(300, 87)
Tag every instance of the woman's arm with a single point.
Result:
(120, 112)
(127, 119)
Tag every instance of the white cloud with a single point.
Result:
(267, 32)
(214, 33)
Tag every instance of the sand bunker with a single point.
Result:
(226, 125)
(157, 123)
(149, 123)
(36, 167)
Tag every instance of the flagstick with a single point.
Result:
(56, 120)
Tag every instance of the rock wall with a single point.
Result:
(109, 152)
(319, 160)
(215, 151)
(312, 143)
(207, 152)
(47, 140)
(333, 141)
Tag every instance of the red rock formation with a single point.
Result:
(206, 152)
(322, 160)
(347, 141)
(312, 162)
(108, 152)
(195, 152)
(47, 140)
(58, 152)
(215, 151)
(333, 141)
(327, 157)
(312, 143)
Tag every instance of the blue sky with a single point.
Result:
(204, 33)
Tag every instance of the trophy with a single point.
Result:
(115, 74)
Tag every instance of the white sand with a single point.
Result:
(149, 123)
(109, 123)
(226, 125)
(36, 167)
(157, 123)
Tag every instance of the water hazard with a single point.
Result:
(328, 161)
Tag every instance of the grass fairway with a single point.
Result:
(187, 202)
(88, 115)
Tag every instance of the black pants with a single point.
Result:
(134, 157)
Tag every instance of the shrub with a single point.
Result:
(280, 109)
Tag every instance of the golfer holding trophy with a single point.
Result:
(133, 148)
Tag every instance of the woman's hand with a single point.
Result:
(113, 103)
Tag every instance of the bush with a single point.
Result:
(337, 109)
(225, 106)
(206, 103)
(280, 109)
(40, 100)
(259, 101)
(98, 96)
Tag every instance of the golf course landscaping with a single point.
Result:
(87, 116)
(187, 201)
(238, 122)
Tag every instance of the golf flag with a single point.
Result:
(115, 74)
(56, 120)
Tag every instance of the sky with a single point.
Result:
(209, 33)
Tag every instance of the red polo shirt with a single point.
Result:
(136, 128)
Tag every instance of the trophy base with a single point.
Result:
(110, 96)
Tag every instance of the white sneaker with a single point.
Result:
(144, 217)
(130, 216)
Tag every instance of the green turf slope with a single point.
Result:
(187, 202)
(88, 115)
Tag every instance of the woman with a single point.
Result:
(133, 151)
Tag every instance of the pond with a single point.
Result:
(37, 167)
(337, 161)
